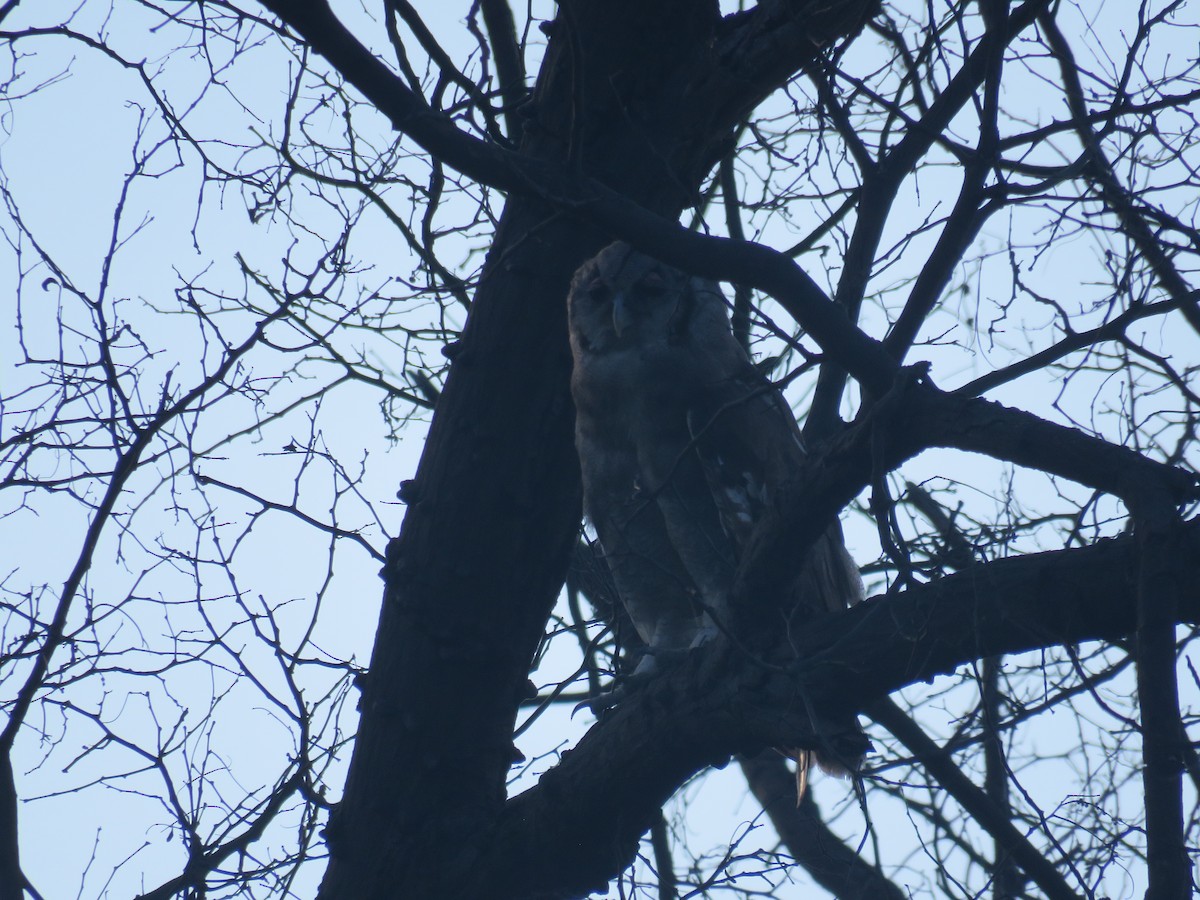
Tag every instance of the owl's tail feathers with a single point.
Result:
(843, 758)
(804, 760)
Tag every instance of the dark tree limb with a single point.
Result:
(1168, 865)
(604, 794)
(917, 416)
(740, 320)
(11, 877)
(664, 859)
(1158, 599)
(510, 66)
(532, 174)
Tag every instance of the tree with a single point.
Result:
(962, 237)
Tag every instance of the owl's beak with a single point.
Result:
(622, 316)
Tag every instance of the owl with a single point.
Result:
(682, 444)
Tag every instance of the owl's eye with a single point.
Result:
(598, 292)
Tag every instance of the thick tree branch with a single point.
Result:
(603, 795)
(1158, 599)
(664, 860)
(12, 878)
(510, 66)
(1168, 865)
(761, 48)
(917, 416)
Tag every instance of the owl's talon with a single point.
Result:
(601, 703)
(606, 700)
(649, 667)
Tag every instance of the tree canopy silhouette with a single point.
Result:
(257, 249)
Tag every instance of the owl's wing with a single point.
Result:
(750, 446)
(748, 443)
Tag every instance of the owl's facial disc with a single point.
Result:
(639, 303)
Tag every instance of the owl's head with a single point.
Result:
(622, 299)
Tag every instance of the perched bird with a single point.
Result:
(682, 444)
